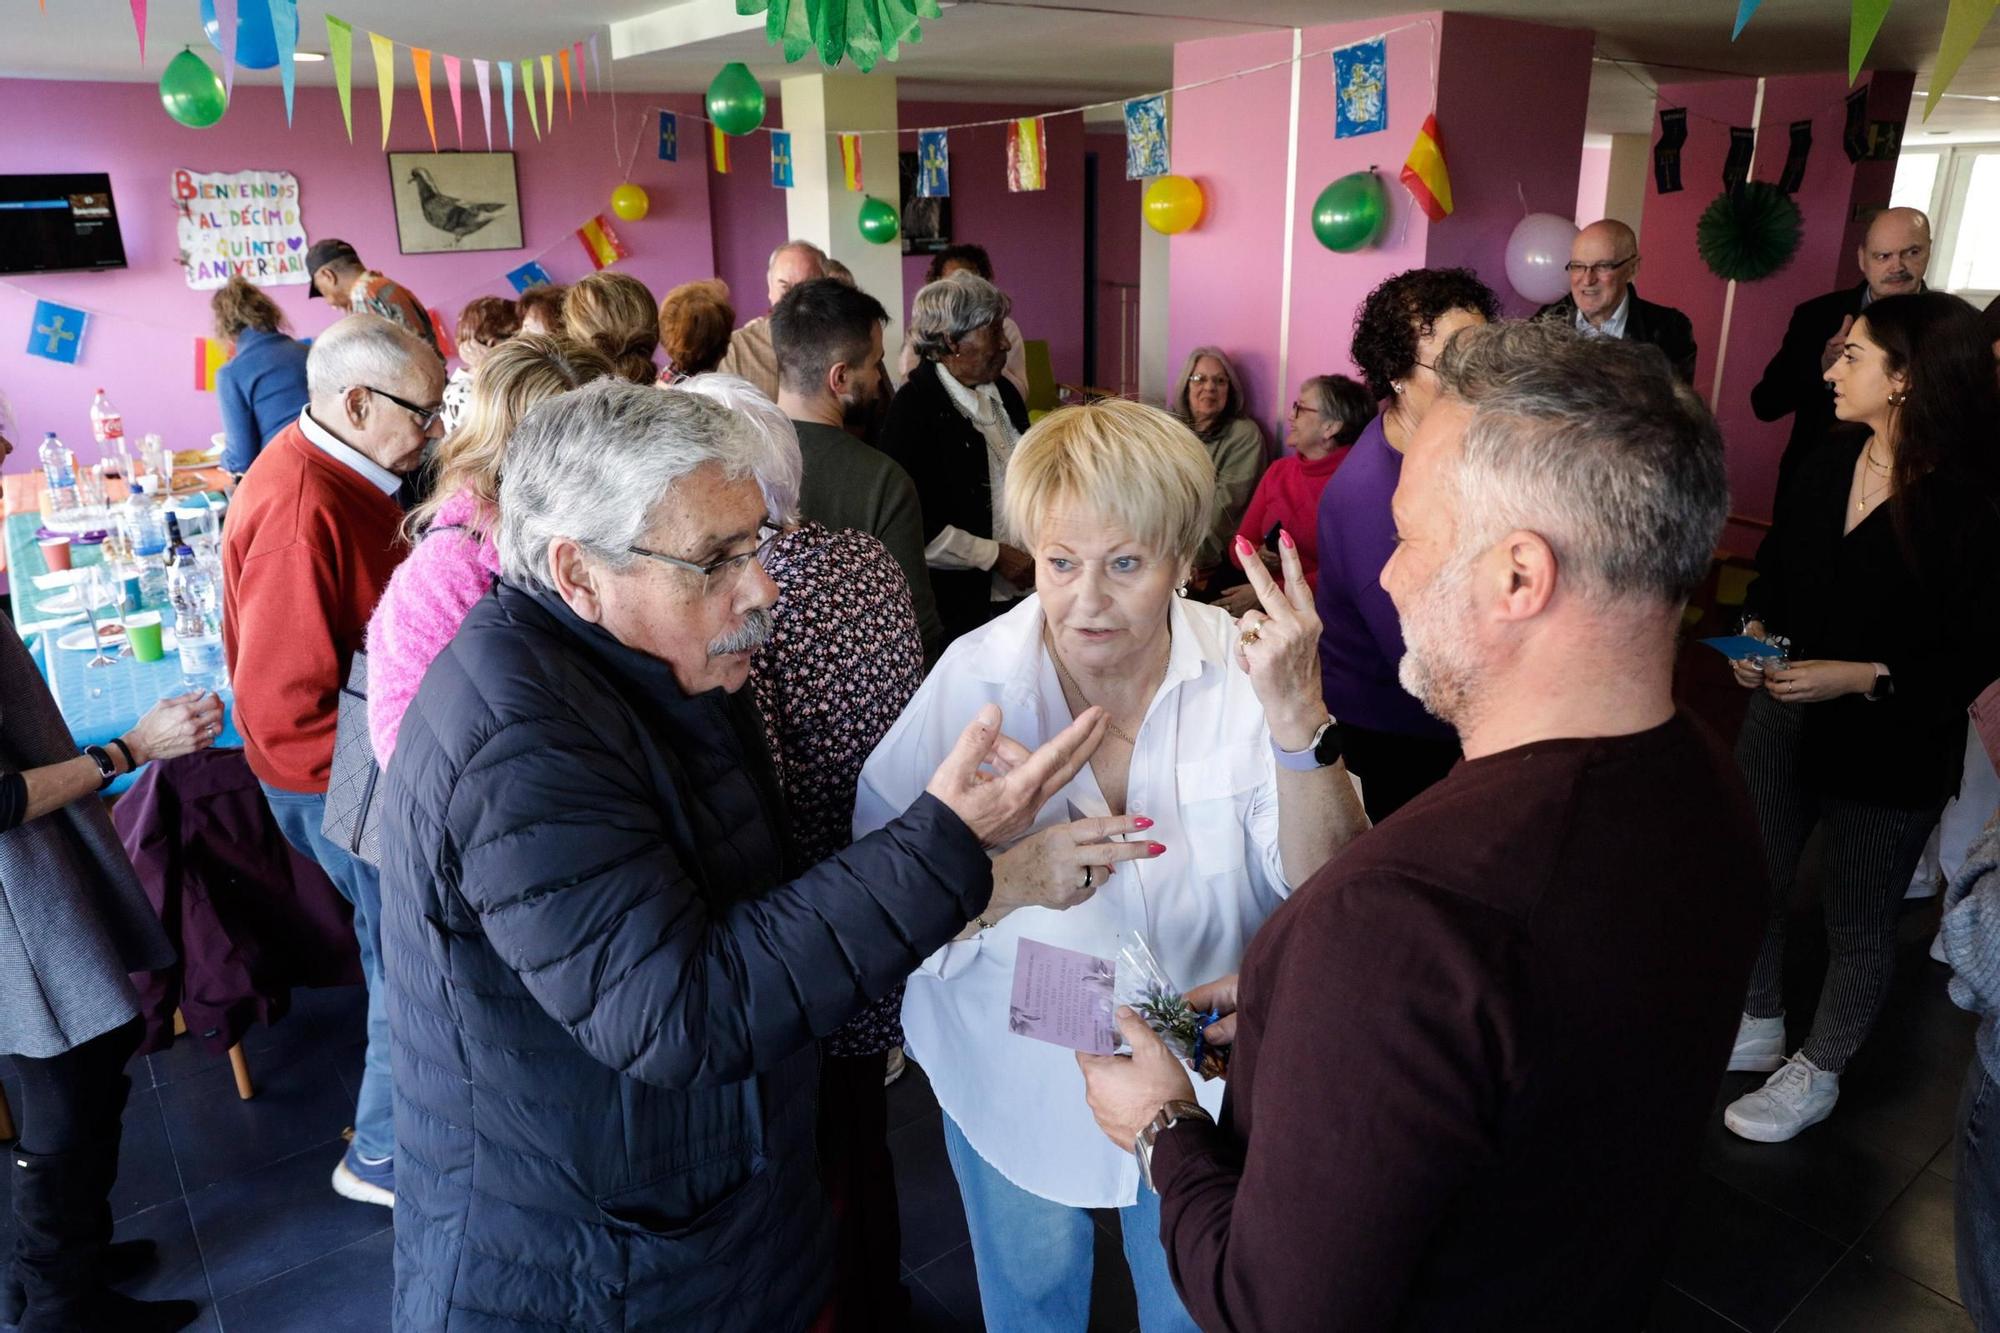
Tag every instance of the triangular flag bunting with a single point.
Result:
(285, 33)
(451, 69)
(549, 94)
(582, 84)
(225, 32)
(385, 79)
(1963, 23)
(1744, 9)
(139, 22)
(528, 95)
(340, 49)
(569, 108)
(507, 98)
(480, 71)
(1424, 174)
(420, 61)
(596, 69)
(1861, 30)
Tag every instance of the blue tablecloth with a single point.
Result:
(97, 702)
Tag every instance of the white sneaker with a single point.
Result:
(892, 1069)
(1797, 1097)
(1760, 1045)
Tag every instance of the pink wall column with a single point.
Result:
(746, 214)
(1530, 150)
(140, 345)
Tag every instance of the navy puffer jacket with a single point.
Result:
(603, 992)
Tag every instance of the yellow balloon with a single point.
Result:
(629, 202)
(1173, 204)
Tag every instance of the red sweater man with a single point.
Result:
(311, 540)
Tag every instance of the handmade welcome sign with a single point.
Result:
(240, 224)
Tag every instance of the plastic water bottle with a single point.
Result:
(59, 471)
(106, 423)
(148, 539)
(195, 625)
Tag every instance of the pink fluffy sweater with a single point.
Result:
(426, 601)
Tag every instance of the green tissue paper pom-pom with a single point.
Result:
(1748, 233)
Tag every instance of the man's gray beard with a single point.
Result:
(752, 635)
(1437, 667)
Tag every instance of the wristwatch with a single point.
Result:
(1170, 1115)
(107, 767)
(1884, 687)
(1324, 752)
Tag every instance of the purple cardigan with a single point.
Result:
(426, 601)
(1361, 639)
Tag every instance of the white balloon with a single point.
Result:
(1536, 254)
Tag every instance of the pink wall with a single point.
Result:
(746, 216)
(1593, 185)
(147, 367)
(1531, 151)
(1118, 225)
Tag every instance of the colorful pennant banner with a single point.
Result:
(1424, 174)
(420, 61)
(933, 165)
(600, 243)
(549, 93)
(451, 68)
(530, 274)
(210, 356)
(718, 144)
(670, 137)
(385, 79)
(139, 22)
(55, 332)
(781, 160)
(225, 34)
(1963, 22)
(340, 50)
(1862, 26)
(1027, 155)
(285, 34)
(1745, 8)
(576, 50)
(528, 95)
(850, 160)
(1146, 137)
(507, 98)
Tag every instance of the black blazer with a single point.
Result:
(946, 456)
(1792, 382)
(1857, 598)
(1661, 326)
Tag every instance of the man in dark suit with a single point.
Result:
(1602, 302)
(1893, 257)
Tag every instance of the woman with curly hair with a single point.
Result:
(616, 314)
(1391, 743)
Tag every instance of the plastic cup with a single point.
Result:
(142, 631)
(132, 594)
(55, 552)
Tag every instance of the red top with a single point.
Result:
(1289, 494)
(309, 546)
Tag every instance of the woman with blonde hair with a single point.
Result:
(262, 389)
(455, 558)
(1217, 747)
(615, 313)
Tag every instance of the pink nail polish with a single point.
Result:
(1142, 822)
(1286, 538)
(1156, 849)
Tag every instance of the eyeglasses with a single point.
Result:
(1298, 407)
(1603, 268)
(426, 416)
(730, 567)
(1200, 381)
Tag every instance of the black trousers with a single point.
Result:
(859, 1177)
(1394, 769)
(67, 1098)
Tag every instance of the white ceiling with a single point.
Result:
(1062, 51)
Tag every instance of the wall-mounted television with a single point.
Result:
(53, 223)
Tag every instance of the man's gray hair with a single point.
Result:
(951, 308)
(593, 464)
(780, 468)
(1594, 445)
(808, 247)
(361, 349)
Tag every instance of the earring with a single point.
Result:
(1182, 590)
(1396, 387)
(1898, 398)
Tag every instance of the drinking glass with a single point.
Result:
(93, 596)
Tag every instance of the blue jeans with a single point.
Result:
(1034, 1256)
(299, 814)
(1978, 1196)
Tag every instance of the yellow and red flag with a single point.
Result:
(210, 356)
(1027, 155)
(600, 243)
(850, 160)
(719, 142)
(1424, 174)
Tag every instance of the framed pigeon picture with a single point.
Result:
(451, 202)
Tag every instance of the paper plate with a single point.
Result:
(70, 603)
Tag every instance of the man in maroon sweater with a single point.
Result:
(314, 533)
(1472, 1057)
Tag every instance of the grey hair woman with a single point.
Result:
(1209, 397)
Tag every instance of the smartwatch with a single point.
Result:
(107, 767)
(1170, 1115)
(1324, 752)
(1884, 687)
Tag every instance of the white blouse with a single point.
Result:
(1203, 771)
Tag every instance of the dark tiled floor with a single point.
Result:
(1846, 1228)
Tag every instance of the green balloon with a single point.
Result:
(878, 221)
(191, 92)
(1349, 213)
(735, 102)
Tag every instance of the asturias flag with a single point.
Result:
(1424, 174)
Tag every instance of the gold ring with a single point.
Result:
(1247, 637)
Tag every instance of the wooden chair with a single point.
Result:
(238, 1065)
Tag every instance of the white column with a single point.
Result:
(1154, 293)
(1631, 168)
(819, 207)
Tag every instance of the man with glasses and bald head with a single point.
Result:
(1604, 303)
(1893, 256)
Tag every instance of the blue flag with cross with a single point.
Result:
(781, 159)
(56, 332)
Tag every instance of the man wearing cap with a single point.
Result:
(339, 276)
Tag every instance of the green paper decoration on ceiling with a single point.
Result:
(863, 31)
(1748, 233)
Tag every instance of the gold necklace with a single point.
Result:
(1868, 498)
(1069, 681)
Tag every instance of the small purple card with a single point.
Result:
(1064, 998)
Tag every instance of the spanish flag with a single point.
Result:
(210, 356)
(1027, 155)
(720, 143)
(850, 160)
(601, 244)
(1424, 174)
